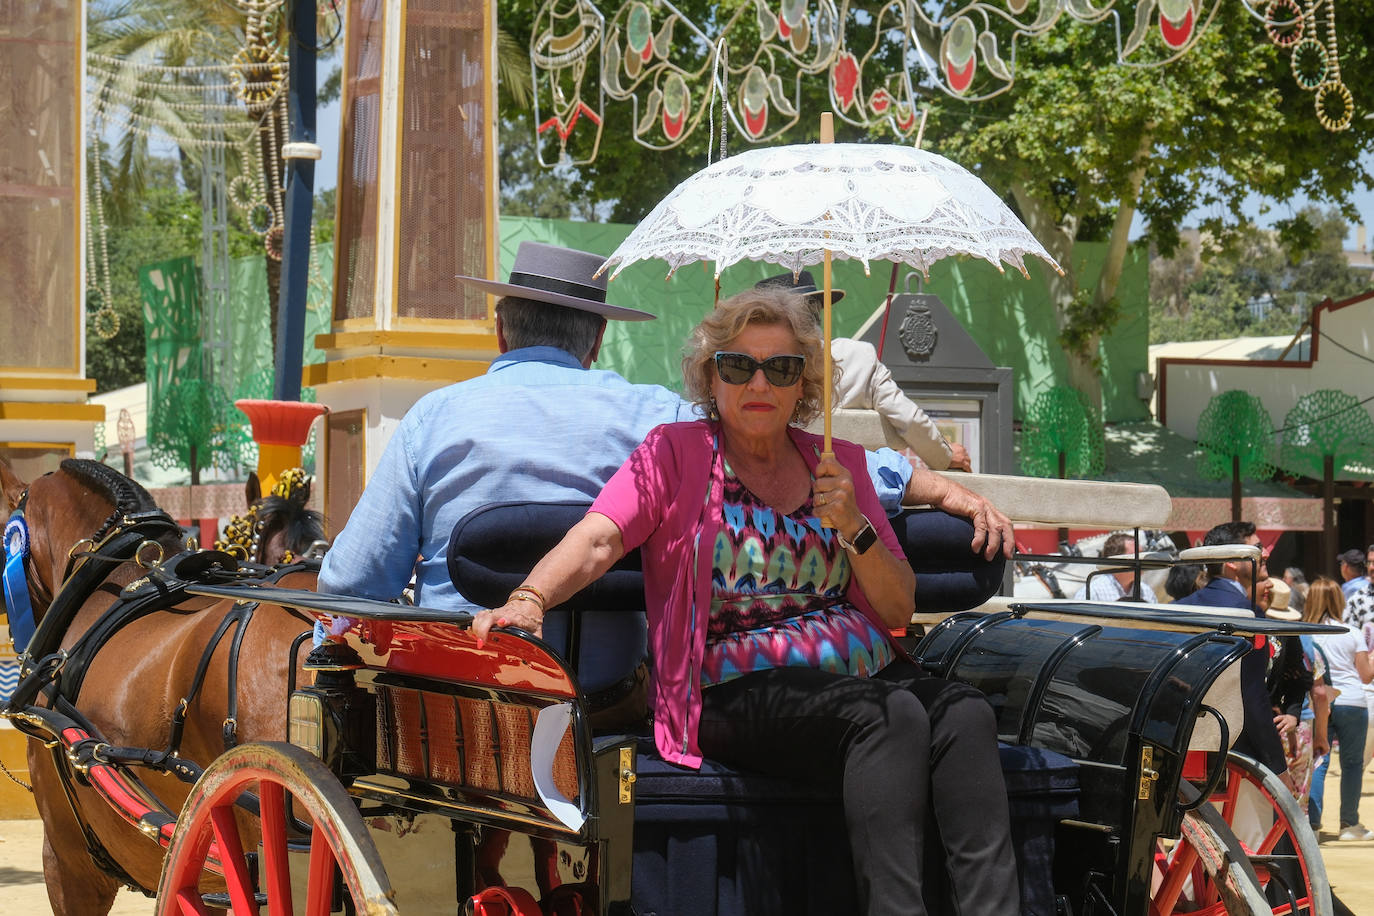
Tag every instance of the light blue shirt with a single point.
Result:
(1351, 586)
(537, 427)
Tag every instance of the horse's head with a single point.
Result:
(279, 527)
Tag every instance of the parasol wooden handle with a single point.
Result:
(827, 136)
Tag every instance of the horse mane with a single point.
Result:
(301, 526)
(127, 496)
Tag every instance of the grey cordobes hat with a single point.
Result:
(558, 276)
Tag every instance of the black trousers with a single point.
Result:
(893, 745)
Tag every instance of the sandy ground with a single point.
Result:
(1350, 866)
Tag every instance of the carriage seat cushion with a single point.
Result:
(722, 841)
(494, 547)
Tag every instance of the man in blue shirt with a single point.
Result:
(542, 426)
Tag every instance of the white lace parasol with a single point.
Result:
(788, 205)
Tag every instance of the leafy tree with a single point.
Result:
(1205, 299)
(1236, 436)
(529, 189)
(1083, 145)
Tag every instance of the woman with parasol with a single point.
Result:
(772, 581)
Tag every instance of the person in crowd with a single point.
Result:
(865, 383)
(1117, 586)
(1306, 739)
(1183, 579)
(542, 426)
(1235, 584)
(1349, 667)
(773, 580)
(1353, 568)
(1297, 582)
(1359, 604)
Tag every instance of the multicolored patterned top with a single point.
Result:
(777, 595)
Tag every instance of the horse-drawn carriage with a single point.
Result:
(412, 768)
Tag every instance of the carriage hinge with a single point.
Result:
(627, 775)
(1148, 775)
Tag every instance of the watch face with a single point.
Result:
(865, 538)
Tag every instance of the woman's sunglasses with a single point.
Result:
(739, 368)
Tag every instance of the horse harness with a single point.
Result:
(55, 675)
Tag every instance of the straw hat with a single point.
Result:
(1278, 604)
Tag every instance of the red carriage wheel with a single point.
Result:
(1206, 870)
(210, 838)
(1266, 818)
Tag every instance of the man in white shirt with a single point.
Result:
(1116, 586)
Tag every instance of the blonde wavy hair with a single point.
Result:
(729, 319)
(1324, 600)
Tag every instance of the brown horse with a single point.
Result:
(137, 679)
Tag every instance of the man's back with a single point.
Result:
(536, 428)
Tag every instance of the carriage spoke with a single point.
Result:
(282, 775)
(242, 895)
(276, 865)
(320, 885)
(190, 904)
(1177, 869)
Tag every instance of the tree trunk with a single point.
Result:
(1058, 236)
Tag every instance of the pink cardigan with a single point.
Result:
(660, 500)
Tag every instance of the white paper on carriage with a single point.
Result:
(548, 735)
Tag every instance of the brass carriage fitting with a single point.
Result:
(1148, 775)
(627, 775)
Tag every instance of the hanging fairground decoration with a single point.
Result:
(679, 76)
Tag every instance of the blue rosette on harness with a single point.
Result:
(17, 601)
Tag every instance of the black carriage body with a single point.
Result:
(1121, 701)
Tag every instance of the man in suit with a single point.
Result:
(1234, 584)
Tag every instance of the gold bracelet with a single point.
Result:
(528, 593)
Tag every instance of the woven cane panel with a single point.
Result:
(442, 195)
(445, 741)
(565, 767)
(355, 270)
(410, 737)
(386, 731)
(39, 178)
(514, 725)
(479, 744)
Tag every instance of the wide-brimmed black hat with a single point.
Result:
(802, 283)
(558, 276)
